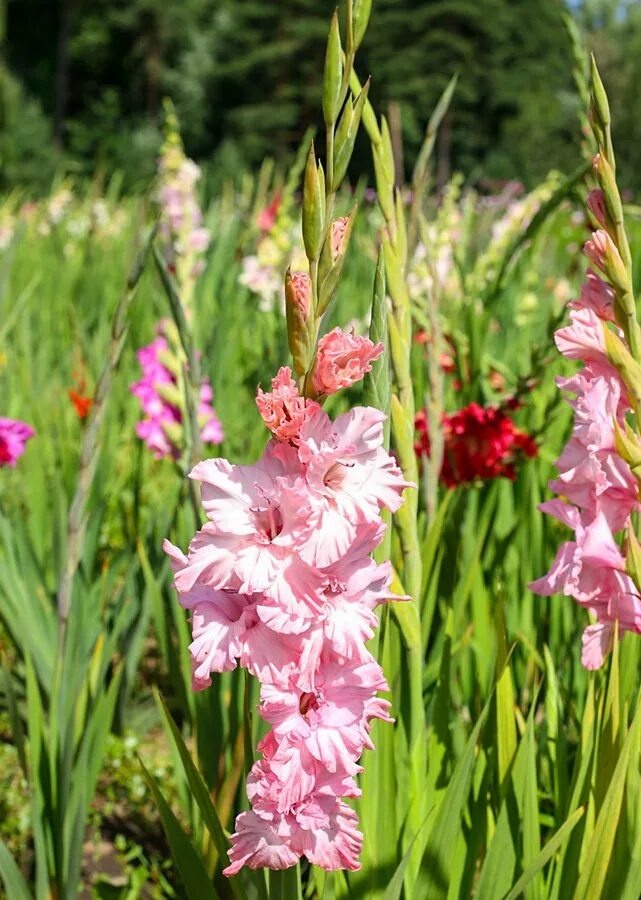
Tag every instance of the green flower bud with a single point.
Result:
(170, 362)
(600, 105)
(313, 206)
(628, 447)
(607, 181)
(346, 134)
(174, 433)
(333, 76)
(387, 152)
(625, 364)
(362, 11)
(384, 188)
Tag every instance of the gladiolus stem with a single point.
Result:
(90, 451)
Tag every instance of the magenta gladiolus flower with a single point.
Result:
(14, 435)
(161, 402)
(280, 579)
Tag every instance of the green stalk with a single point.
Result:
(189, 377)
(90, 451)
(403, 413)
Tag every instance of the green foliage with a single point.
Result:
(510, 770)
(244, 79)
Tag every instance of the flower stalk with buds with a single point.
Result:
(599, 468)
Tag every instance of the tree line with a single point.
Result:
(81, 84)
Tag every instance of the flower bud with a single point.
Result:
(596, 205)
(626, 365)
(339, 236)
(602, 252)
(298, 306)
(607, 181)
(600, 105)
(299, 293)
(313, 206)
(170, 361)
(333, 75)
(174, 433)
(170, 393)
(346, 134)
(332, 259)
(633, 557)
(628, 447)
(362, 11)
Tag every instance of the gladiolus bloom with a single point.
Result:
(480, 443)
(81, 404)
(342, 360)
(14, 435)
(283, 410)
(161, 402)
(280, 579)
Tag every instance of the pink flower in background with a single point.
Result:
(14, 435)
(266, 218)
(283, 410)
(280, 579)
(185, 240)
(161, 402)
(342, 360)
(211, 429)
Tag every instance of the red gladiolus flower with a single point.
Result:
(82, 404)
(481, 443)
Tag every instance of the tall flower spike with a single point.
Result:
(280, 579)
(601, 489)
(162, 400)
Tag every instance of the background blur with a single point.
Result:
(81, 84)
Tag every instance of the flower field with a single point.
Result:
(319, 545)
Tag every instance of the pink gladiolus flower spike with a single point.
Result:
(601, 490)
(280, 579)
